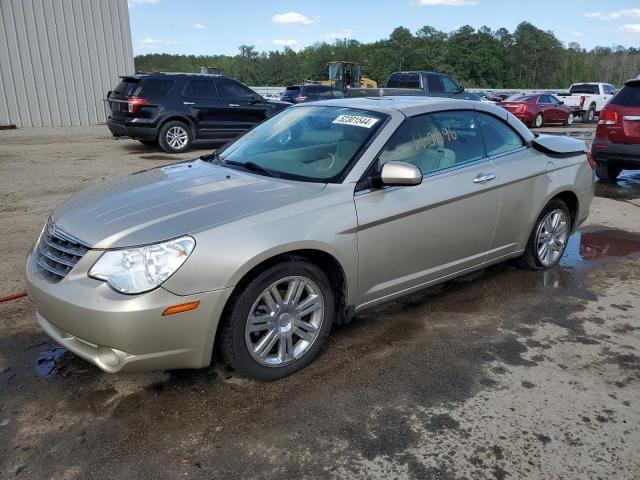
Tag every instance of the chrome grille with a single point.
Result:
(58, 252)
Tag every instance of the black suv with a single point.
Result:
(310, 93)
(173, 109)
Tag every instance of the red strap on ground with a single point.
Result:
(13, 297)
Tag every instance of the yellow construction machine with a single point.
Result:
(344, 75)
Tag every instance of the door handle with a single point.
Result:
(234, 105)
(484, 178)
(188, 103)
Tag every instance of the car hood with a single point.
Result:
(166, 202)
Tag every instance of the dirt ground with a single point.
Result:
(501, 374)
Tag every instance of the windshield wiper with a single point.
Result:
(251, 166)
(212, 157)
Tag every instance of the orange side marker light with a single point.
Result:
(184, 307)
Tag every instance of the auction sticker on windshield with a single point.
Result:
(356, 120)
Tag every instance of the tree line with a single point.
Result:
(528, 57)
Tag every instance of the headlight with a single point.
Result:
(140, 269)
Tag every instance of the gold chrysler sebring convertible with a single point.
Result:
(319, 212)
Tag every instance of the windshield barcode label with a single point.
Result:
(356, 120)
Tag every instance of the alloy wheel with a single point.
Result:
(570, 119)
(177, 137)
(284, 321)
(551, 237)
(538, 120)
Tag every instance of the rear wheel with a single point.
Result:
(175, 137)
(279, 322)
(607, 172)
(538, 120)
(549, 236)
(590, 116)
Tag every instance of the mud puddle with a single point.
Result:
(586, 250)
(627, 187)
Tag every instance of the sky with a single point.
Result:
(208, 27)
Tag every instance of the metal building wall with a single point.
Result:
(59, 58)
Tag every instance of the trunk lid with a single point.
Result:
(118, 98)
(631, 124)
(142, 90)
(513, 107)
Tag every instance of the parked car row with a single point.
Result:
(173, 110)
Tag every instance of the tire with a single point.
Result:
(149, 143)
(175, 137)
(590, 116)
(241, 339)
(569, 120)
(538, 121)
(534, 256)
(607, 172)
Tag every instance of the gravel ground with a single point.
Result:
(500, 374)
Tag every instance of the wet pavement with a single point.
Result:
(400, 378)
(500, 374)
(627, 187)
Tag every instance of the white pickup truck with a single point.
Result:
(587, 99)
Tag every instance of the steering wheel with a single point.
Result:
(324, 168)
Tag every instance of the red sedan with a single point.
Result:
(536, 110)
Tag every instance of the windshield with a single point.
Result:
(313, 143)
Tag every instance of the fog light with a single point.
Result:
(110, 357)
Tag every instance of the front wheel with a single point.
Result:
(548, 239)
(175, 137)
(279, 322)
(607, 172)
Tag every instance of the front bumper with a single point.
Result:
(120, 332)
(624, 155)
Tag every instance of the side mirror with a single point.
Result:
(255, 99)
(460, 88)
(561, 103)
(400, 174)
